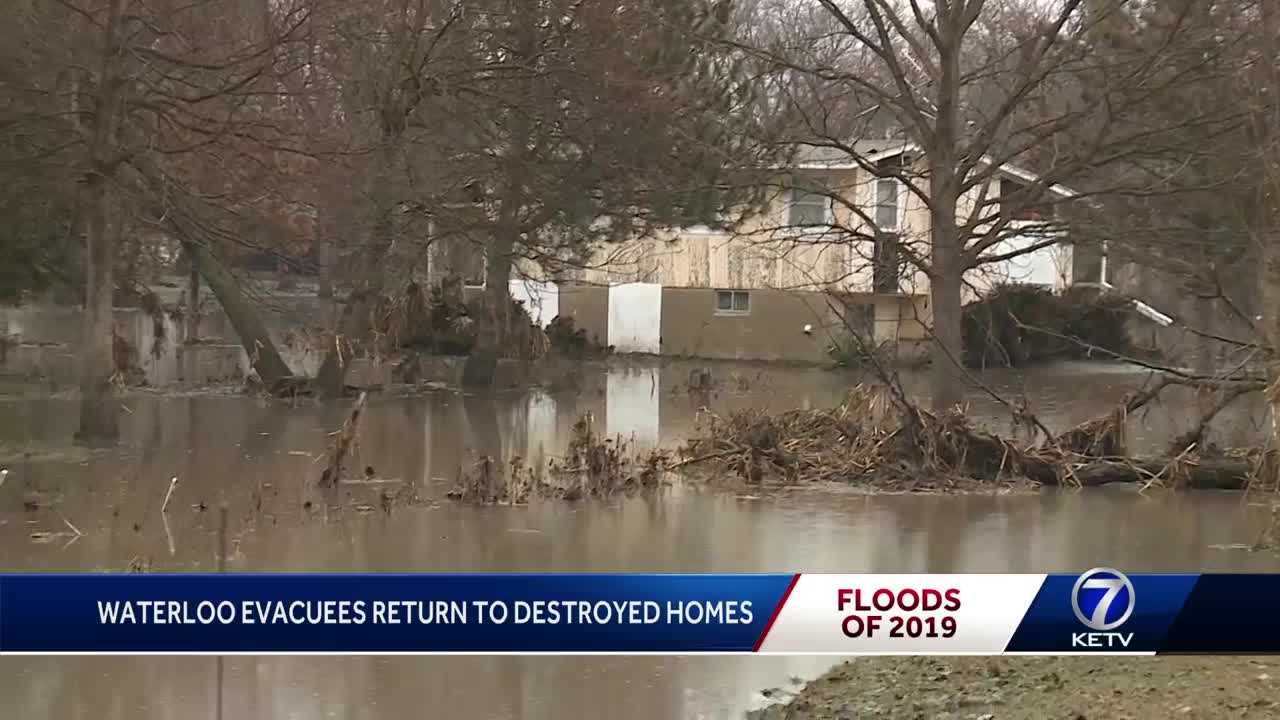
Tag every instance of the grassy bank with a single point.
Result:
(1069, 688)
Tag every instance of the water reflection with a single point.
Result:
(260, 459)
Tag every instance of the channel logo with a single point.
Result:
(1103, 599)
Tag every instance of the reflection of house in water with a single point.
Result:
(531, 428)
(537, 426)
(631, 405)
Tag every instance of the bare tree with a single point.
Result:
(1262, 87)
(536, 132)
(144, 102)
(972, 88)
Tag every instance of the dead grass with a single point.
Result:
(592, 467)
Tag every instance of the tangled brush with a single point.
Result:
(865, 440)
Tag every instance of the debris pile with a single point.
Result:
(876, 439)
(872, 441)
(863, 441)
(842, 443)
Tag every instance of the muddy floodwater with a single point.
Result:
(260, 459)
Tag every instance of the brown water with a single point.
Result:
(259, 458)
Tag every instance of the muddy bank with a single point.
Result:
(1074, 688)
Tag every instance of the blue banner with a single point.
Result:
(1100, 611)
(1235, 614)
(376, 613)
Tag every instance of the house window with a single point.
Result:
(733, 302)
(455, 258)
(1017, 203)
(887, 211)
(808, 209)
(476, 269)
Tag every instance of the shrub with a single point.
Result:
(1020, 325)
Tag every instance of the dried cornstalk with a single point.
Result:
(344, 442)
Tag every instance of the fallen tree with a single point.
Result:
(257, 342)
(1220, 473)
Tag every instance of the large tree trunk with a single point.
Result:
(354, 324)
(1271, 323)
(324, 255)
(98, 422)
(946, 245)
(1266, 123)
(1204, 474)
(947, 382)
(946, 279)
(266, 360)
(482, 364)
(192, 325)
(97, 360)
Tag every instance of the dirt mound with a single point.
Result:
(1034, 688)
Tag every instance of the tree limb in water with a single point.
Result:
(343, 442)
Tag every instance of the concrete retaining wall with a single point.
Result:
(43, 342)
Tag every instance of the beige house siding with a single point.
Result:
(908, 319)
(788, 273)
(765, 252)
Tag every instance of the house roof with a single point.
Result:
(815, 156)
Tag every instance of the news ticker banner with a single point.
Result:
(1100, 611)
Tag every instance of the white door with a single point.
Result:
(635, 317)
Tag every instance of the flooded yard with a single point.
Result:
(261, 459)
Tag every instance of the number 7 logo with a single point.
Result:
(1112, 582)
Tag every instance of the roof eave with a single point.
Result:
(1028, 176)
